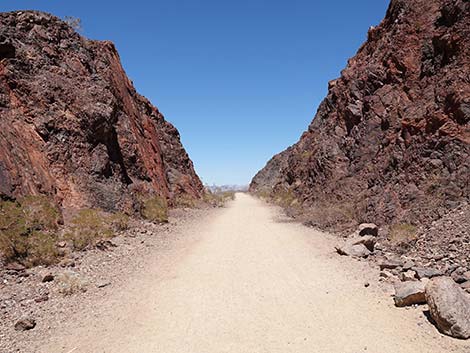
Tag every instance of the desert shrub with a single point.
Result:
(155, 209)
(403, 233)
(40, 212)
(70, 283)
(27, 231)
(185, 201)
(218, 199)
(42, 249)
(264, 194)
(119, 221)
(285, 198)
(88, 227)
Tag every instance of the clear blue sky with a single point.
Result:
(240, 79)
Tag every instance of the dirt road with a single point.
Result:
(252, 283)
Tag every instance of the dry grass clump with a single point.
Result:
(70, 283)
(403, 234)
(155, 209)
(28, 230)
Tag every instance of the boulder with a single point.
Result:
(368, 229)
(359, 250)
(368, 241)
(357, 247)
(449, 306)
(409, 293)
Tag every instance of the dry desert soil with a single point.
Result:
(245, 279)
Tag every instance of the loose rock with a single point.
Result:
(449, 307)
(25, 324)
(422, 272)
(359, 250)
(368, 229)
(409, 293)
(48, 278)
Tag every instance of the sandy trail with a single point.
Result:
(253, 284)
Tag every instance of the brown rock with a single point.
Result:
(449, 307)
(353, 250)
(408, 276)
(47, 278)
(368, 241)
(409, 293)
(368, 229)
(426, 272)
(390, 264)
(25, 324)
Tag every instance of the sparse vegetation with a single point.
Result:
(28, 230)
(71, 283)
(185, 201)
(218, 199)
(155, 209)
(403, 234)
(119, 221)
(88, 227)
(40, 213)
(285, 198)
(74, 22)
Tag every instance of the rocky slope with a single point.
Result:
(73, 126)
(390, 143)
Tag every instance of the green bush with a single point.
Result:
(155, 209)
(27, 230)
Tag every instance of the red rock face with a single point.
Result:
(391, 141)
(72, 125)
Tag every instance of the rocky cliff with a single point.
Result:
(391, 141)
(73, 127)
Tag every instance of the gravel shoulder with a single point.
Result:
(94, 279)
(239, 279)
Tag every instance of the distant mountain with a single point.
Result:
(223, 188)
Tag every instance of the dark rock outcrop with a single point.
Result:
(73, 126)
(391, 141)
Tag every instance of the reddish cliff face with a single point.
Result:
(391, 141)
(72, 125)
